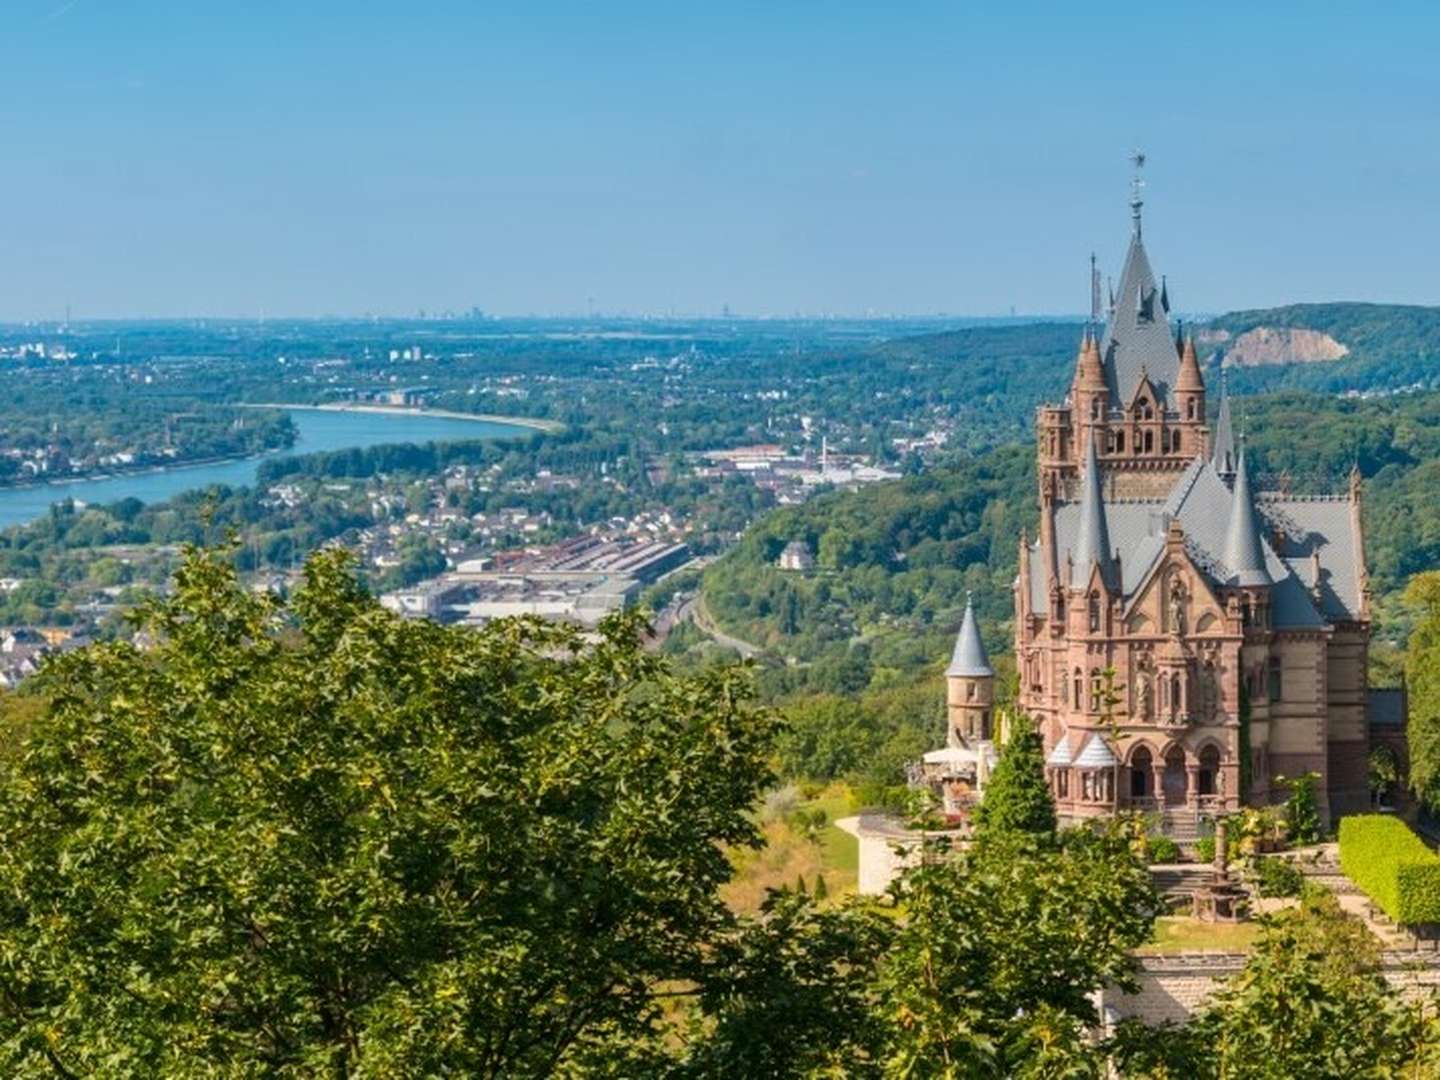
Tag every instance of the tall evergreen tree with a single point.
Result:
(1017, 799)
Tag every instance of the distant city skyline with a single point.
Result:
(166, 159)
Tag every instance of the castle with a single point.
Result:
(1183, 640)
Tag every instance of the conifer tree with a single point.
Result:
(1017, 798)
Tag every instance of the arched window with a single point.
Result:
(1142, 407)
(1209, 770)
(1177, 698)
(1119, 442)
(1094, 612)
(1094, 408)
(1149, 442)
(1190, 409)
(1079, 686)
(1141, 763)
(1094, 689)
(1175, 442)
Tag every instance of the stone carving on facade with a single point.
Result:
(1177, 607)
(1144, 695)
(1209, 691)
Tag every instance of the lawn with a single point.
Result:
(790, 855)
(1180, 934)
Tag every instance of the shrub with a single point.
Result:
(1393, 866)
(1278, 877)
(1205, 849)
(1302, 813)
(1164, 850)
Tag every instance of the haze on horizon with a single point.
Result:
(168, 158)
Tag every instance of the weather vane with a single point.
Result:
(1137, 158)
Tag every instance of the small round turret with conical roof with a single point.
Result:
(969, 685)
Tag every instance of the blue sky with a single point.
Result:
(171, 157)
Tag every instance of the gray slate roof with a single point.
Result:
(1137, 338)
(969, 658)
(1203, 502)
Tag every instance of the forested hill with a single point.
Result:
(897, 559)
(1331, 347)
(991, 378)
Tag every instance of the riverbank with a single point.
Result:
(148, 469)
(317, 431)
(548, 426)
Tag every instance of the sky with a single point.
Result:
(311, 157)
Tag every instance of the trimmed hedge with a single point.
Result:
(1393, 866)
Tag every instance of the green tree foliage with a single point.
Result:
(1422, 671)
(1310, 1002)
(792, 994)
(322, 840)
(1001, 949)
(1017, 798)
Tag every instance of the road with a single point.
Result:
(696, 610)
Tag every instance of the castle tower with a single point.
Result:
(969, 686)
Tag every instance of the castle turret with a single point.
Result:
(1190, 398)
(969, 685)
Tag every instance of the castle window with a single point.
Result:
(1119, 442)
(1095, 691)
(1276, 687)
(1079, 686)
(1094, 408)
(1145, 410)
(1190, 409)
(985, 724)
(1175, 442)
(970, 691)
(1094, 612)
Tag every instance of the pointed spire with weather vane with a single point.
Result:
(1244, 548)
(1092, 545)
(1223, 441)
(1137, 184)
(969, 659)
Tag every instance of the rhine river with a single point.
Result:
(316, 430)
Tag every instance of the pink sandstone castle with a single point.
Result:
(1182, 639)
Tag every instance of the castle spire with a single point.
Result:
(1189, 378)
(969, 659)
(1223, 455)
(1092, 545)
(1244, 552)
(1137, 158)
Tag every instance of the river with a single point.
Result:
(317, 430)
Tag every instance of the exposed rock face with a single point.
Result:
(1281, 345)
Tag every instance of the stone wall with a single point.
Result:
(1172, 988)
